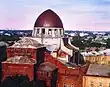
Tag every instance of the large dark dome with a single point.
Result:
(48, 19)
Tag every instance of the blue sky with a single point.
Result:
(75, 14)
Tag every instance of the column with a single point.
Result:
(46, 32)
(62, 32)
(40, 32)
(58, 32)
(33, 32)
(53, 33)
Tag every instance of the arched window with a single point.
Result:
(64, 85)
(92, 84)
(43, 31)
(60, 31)
(56, 32)
(38, 31)
(72, 85)
(100, 84)
(50, 32)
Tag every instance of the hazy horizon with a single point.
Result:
(88, 15)
(64, 29)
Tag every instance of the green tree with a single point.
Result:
(78, 41)
(108, 43)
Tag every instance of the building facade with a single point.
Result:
(94, 81)
(97, 75)
(99, 59)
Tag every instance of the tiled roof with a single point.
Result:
(98, 70)
(27, 43)
(47, 67)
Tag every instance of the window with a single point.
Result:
(50, 32)
(55, 31)
(72, 85)
(43, 31)
(100, 84)
(64, 85)
(92, 84)
(60, 31)
(38, 31)
(109, 85)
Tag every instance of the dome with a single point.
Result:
(48, 19)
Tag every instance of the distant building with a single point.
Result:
(102, 56)
(97, 76)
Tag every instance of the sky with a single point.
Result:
(92, 15)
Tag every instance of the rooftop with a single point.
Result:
(99, 70)
(47, 67)
(48, 19)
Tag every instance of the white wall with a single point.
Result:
(48, 41)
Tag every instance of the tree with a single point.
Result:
(78, 42)
(108, 43)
